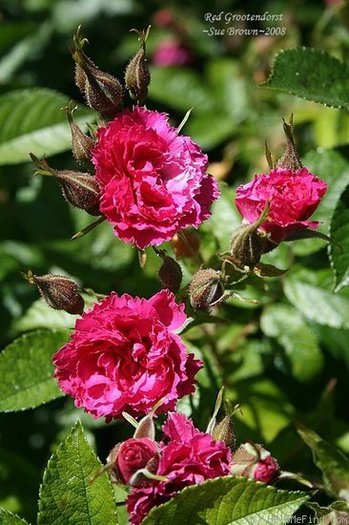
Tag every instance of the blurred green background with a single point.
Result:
(281, 360)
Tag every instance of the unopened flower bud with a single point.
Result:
(170, 273)
(137, 75)
(78, 188)
(254, 462)
(59, 292)
(102, 91)
(81, 143)
(133, 455)
(206, 288)
(290, 159)
(248, 243)
(224, 431)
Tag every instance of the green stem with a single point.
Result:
(88, 228)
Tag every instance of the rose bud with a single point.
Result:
(206, 288)
(290, 159)
(224, 431)
(78, 188)
(102, 91)
(254, 462)
(170, 273)
(59, 292)
(81, 143)
(132, 456)
(248, 244)
(137, 75)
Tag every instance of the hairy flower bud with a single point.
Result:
(170, 273)
(78, 188)
(59, 292)
(137, 75)
(248, 244)
(206, 288)
(224, 431)
(81, 143)
(102, 91)
(290, 159)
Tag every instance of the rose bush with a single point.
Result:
(125, 356)
(293, 197)
(187, 457)
(153, 180)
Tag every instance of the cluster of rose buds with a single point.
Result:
(275, 207)
(157, 471)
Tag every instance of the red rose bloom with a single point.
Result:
(125, 356)
(189, 457)
(153, 181)
(293, 197)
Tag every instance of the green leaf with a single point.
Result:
(69, 495)
(210, 129)
(26, 370)
(227, 501)
(33, 121)
(7, 518)
(330, 460)
(317, 304)
(312, 74)
(40, 315)
(184, 89)
(340, 234)
(287, 326)
(228, 87)
(331, 167)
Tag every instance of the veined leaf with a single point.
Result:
(312, 74)
(228, 501)
(340, 233)
(318, 304)
(26, 370)
(70, 493)
(32, 120)
(7, 518)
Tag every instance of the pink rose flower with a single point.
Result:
(132, 455)
(266, 470)
(153, 181)
(293, 197)
(189, 457)
(172, 53)
(124, 355)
